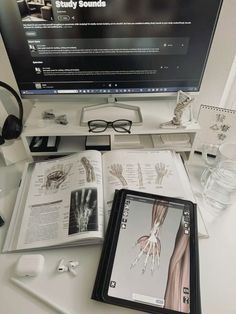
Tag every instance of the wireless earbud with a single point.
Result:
(62, 267)
(71, 266)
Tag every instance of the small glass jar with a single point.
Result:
(219, 184)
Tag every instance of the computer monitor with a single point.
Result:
(108, 47)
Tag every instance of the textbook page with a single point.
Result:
(158, 172)
(64, 203)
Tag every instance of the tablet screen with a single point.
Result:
(152, 258)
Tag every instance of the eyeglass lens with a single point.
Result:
(122, 126)
(97, 125)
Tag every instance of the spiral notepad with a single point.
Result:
(217, 126)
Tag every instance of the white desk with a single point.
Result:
(217, 269)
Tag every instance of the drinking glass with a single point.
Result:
(226, 151)
(219, 178)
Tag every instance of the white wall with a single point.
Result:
(221, 56)
(219, 63)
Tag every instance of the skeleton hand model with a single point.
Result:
(151, 245)
(161, 171)
(183, 101)
(116, 171)
(90, 175)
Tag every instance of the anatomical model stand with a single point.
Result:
(183, 101)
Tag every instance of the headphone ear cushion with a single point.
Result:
(12, 127)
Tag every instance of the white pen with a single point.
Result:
(23, 286)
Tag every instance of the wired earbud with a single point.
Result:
(12, 126)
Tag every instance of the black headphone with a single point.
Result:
(12, 126)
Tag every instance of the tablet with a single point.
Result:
(150, 257)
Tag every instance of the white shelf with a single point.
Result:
(73, 135)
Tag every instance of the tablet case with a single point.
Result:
(103, 280)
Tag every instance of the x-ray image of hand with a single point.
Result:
(83, 209)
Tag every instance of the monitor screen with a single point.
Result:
(108, 46)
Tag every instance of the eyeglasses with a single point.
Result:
(121, 125)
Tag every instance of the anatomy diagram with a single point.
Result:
(117, 171)
(83, 206)
(56, 176)
(90, 174)
(150, 245)
(140, 176)
(162, 171)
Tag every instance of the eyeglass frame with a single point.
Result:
(111, 124)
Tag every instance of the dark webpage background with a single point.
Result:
(202, 16)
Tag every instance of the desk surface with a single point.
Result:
(217, 268)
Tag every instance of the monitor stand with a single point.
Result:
(111, 103)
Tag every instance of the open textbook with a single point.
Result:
(67, 201)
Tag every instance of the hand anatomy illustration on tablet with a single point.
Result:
(150, 245)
